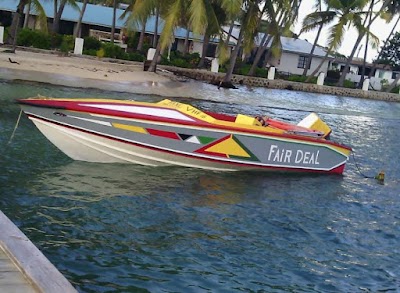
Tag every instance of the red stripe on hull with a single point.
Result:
(162, 133)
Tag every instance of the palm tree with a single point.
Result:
(393, 8)
(157, 14)
(249, 24)
(362, 30)
(113, 21)
(58, 11)
(15, 24)
(345, 13)
(310, 56)
(77, 31)
(135, 20)
(369, 16)
(141, 10)
(215, 17)
(278, 26)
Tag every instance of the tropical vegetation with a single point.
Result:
(215, 19)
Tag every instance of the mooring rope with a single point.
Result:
(15, 128)
(379, 177)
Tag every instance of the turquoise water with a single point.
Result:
(127, 228)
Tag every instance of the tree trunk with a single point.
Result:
(155, 37)
(55, 9)
(229, 73)
(206, 41)
(310, 56)
(27, 14)
(12, 37)
(360, 84)
(77, 31)
(186, 44)
(113, 21)
(230, 33)
(141, 37)
(57, 18)
(263, 46)
(316, 70)
(360, 36)
(384, 45)
(153, 65)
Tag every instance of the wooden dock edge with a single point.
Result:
(43, 275)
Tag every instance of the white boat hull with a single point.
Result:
(83, 146)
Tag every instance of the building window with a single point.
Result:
(303, 62)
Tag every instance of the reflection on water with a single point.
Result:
(127, 228)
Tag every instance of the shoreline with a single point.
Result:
(82, 71)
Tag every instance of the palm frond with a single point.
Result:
(232, 7)
(171, 22)
(336, 34)
(373, 40)
(37, 6)
(198, 15)
(316, 19)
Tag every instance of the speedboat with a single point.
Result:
(172, 133)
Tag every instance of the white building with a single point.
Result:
(294, 55)
(382, 76)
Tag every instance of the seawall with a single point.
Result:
(213, 77)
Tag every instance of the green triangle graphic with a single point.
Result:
(205, 139)
(252, 156)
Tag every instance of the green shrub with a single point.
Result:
(91, 43)
(178, 62)
(297, 78)
(136, 57)
(261, 72)
(349, 84)
(33, 38)
(112, 51)
(25, 38)
(67, 44)
(179, 59)
(56, 40)
(6, 32)
(91, 52)
(395, 90)
(100, 53)
(132, 40)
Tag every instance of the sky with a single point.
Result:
(380, 28)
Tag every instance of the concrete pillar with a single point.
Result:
(365, 84)
(215, 65)
(271, 73)
(150, 53)
(321, 78)
(78, 46)
(1, 34)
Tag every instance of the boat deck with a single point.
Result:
(11, 278)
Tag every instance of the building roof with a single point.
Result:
(360, 62)
(96, 15)
(290, 45)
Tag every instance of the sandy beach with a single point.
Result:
(90, 73)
